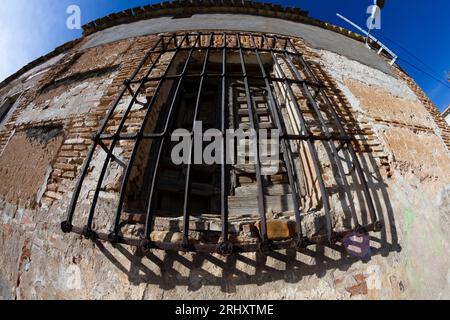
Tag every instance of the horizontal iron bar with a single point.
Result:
(231, 76)
(133, 136)
(317, 138)
(218, 48)
(162, 135)
(113, 157)
(213, 248)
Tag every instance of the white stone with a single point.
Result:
(79, 98)
(373, 277)
(74, 141)
(71, 278)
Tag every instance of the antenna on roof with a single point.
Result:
(375, 40)
(373, 22)
(375, 18)
(380, 3)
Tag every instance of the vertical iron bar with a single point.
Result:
(224, 115)
(67, 225)
(129, 168)
(180, 81)
(310, 143)
(187, 191)
(261, 205)
(286, 149)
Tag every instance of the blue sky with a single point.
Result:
(31, 28)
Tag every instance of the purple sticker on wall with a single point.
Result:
(357, 244)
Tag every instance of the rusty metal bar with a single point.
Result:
(238, 247)
(243, 49)
(287, 154)
(330, 143)
(109, 156)
(250, 104)
(88, 227)
(225, 247)
(134, 136)
(186, 206)
(230, 76)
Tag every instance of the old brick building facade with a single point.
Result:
(364, 149)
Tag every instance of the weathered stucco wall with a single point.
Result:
(415, 195)
(404, 156)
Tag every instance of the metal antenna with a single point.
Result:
(376, 11)
(379, 4)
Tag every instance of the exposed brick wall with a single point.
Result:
(355, 124)
(80, 131)
(61, 49)
(29, 96)
(429, 105)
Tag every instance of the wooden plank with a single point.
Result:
(249, 205)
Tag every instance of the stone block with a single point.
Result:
(164, 236)
(278, 229)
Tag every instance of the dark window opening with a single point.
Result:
(205, 189)
(205, 179)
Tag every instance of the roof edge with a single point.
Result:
(186, 8)
(446, 111)
(189, 7)
(61, 49)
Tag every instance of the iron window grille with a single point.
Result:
(255, 68)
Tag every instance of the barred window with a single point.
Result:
(226, 82)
